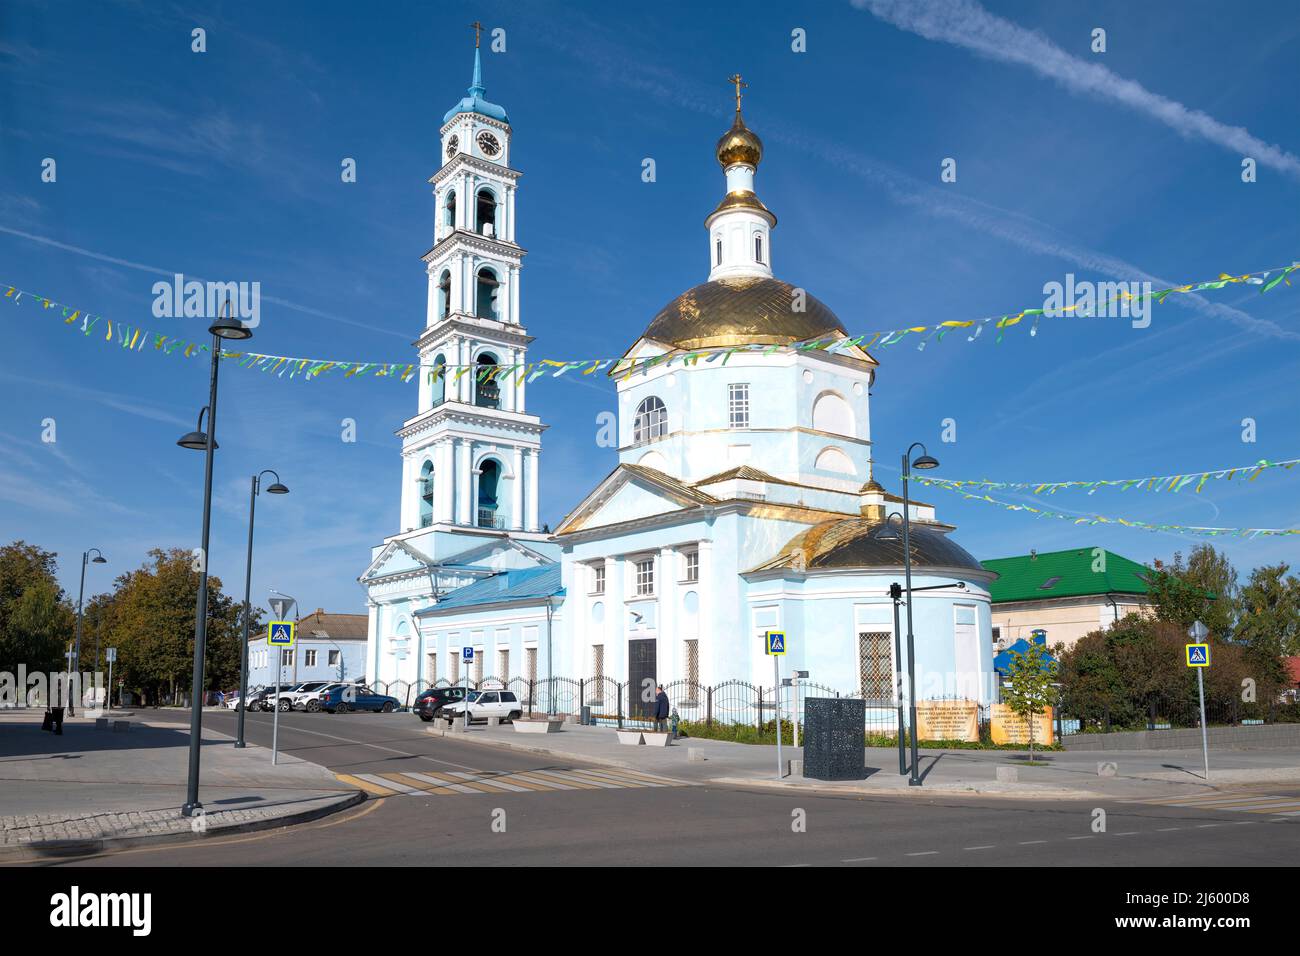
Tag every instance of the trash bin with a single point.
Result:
(585, 717)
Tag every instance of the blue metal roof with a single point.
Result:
(518, 585)
(1002, 662)
(473, 101)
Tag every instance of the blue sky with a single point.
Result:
(225, 165)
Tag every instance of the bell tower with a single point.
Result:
(740, 229)
(471, 453)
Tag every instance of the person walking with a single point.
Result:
(661, 708)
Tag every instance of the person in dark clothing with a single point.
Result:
(661, 708)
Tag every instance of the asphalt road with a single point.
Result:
(685, 825)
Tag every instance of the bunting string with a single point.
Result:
(137, 339)
(1126, 522)
(1157, 483)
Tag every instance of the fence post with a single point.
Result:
(760, 710)
(618, 691)
(708, 707)
(1106, 717)
(582, 693)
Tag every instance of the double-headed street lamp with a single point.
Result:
(922, 462)
(81, 593)
(225, 328)
(275, 488)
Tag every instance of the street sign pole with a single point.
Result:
(112, 656)
(275, 714)
(1198, 656)
(776, 670)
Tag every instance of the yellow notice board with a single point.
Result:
(1008, 727)
(947, 720)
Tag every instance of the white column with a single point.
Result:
(666, 592)
(510, 214)
(533, 475)
(462, 481)
(409, 495)
(467, 380)
(444, 483)
(452, 265)
(371, 664)
(514, 295)
(520, 404)
(704, 626)
(517, 492)
(431, 306)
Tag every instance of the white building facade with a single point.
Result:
(742, 501)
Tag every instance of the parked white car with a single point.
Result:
(309, 700)
(488, 703)
(284, 700)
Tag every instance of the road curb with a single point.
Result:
(922, 791)
(56, 849)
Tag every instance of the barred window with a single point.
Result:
(453, 668)
(875, 664)
(645, 576)
(738, 405)
(530, 661)
(478, 666)
(692, 567)
(503, 664)
(598, 661)
(430, 667)
(692, 670)
(651, 420)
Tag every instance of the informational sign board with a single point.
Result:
(774, 642)
(947, 720)
(1198, 655)
(112, 655)
(281, 633)
(1008, 727)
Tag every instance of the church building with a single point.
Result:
(743, 499)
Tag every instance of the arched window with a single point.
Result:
(719, 251)
(489, 479)
(831, 413)
(487, 393)
(426, 495)
(758, 247)
(833, 459)
(444, 293)
(438, 391)
(449, 209)
(485, 221)
(651, 420)
(486, 300)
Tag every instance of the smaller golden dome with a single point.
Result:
(740, 144)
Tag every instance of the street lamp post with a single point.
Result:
(922, 462)
(275, 488)
(81, 593)
(225, 327)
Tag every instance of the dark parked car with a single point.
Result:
(347, 697)
(258, 699)
(431, 701)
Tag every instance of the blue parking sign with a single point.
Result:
(467, 655)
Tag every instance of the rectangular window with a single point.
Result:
(876, 667)
(478, 665)
(645, 577)
(288, 658)
(738, 405)
(598, 579)
(530, 662)
(719, 244)
(430, 667)
(503, 664)
(758, 248)
(692, 567)
(309, 658)
(453, 667)
(334, 658)
(691, 653)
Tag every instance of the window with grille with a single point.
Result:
(530, 658)
(597, 695)
(431, 667)
(876, 666)
(478, 666)
(738, 405)
(691, 653)
(598, 579)
(503, 664)
(651, 420)
(453, 669)
(692, 567)
(645, 576)
(309, 658)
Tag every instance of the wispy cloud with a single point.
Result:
(965, 23)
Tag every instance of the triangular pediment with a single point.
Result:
(498, 554)
(632, 493)
(397, 557)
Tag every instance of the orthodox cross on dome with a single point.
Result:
(477, 28)
(740, 84)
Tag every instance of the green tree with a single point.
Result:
(1202, 589)
(1030, 678)
(36, 619)
(1269, 622)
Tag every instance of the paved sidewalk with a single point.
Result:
(1055, 775)
(91, 789)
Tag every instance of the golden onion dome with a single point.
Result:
(740, 144)
(747, 310)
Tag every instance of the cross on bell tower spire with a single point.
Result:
(740, 84)
(477, 28)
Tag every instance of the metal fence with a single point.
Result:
(1079, 713)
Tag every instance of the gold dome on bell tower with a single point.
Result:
(740, 144)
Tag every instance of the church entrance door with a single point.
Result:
(641, 667)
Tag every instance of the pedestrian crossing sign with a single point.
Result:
(281, 633)
(1198, 655)
(773, 642)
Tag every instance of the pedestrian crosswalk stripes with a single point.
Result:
(450, 783)
(1272, 804)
